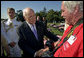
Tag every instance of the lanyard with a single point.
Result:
(70, 33)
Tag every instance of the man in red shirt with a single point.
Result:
(72, 11)
(71, 44)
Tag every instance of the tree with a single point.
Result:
(19, 15)
(60, 17)
(37, 14)
(50, 15)
(42, 13)
(44, 9)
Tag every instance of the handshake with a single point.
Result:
(40, 52)
(47, 52)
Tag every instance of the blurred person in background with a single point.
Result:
(44, 22)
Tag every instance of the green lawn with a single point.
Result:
(55, 30)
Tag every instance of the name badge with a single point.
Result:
(71, 39)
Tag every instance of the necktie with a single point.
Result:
(35, 32)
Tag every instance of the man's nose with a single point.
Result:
(62, 14)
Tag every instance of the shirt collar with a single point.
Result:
(11, 21)
(30, 25)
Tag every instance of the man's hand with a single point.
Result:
(40, 52)
(56, 43)
(12, 44)
(7, 50)
(59, 36)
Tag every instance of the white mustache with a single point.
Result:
(64, 17)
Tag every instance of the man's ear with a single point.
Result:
(24, 18)
(76, 9)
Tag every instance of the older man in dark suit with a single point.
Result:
(31, 34)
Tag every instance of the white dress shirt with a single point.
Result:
(12, 36)
(32, 28)
(30, 25)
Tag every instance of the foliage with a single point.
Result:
(50, 15)
(42, 13)
(19, 15)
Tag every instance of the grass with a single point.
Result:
(55, 30)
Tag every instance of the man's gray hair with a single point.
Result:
(26, 12)
(71, 4)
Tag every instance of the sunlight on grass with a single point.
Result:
(55, 30)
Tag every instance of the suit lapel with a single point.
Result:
(26, 27)
(28, 30)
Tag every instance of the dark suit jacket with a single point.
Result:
(45, 23)
(27, 40)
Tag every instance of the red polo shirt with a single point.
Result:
(76, 48)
